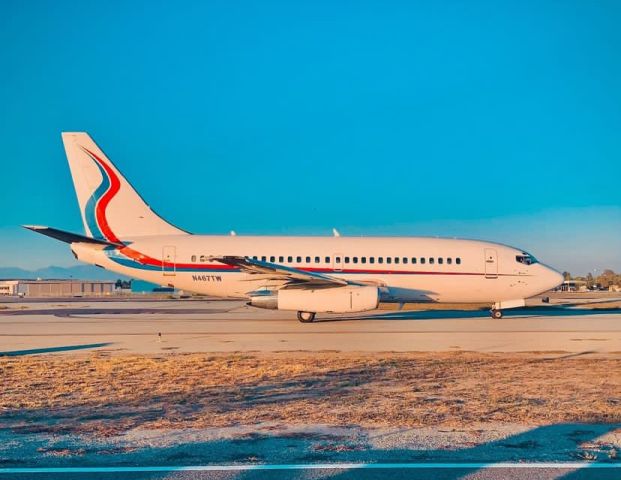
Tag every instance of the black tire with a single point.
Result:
(306, 317)
(497, 314)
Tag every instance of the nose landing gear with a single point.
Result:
(499, 306)
(306, 317)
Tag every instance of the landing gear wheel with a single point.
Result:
(497, 314)
(306, 317)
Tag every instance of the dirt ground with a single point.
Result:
(108, 395)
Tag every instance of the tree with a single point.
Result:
(566, 276)
(607, 278)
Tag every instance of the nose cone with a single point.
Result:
(553, 278)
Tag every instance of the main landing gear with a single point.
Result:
(497, 314)
(306, 317)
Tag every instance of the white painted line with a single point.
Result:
(313, 466)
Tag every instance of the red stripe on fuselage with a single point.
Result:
(146, 260)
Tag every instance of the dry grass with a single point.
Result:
(108, 395)
(603, 305)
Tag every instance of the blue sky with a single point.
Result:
(495, 120)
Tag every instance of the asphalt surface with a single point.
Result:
(224, 326)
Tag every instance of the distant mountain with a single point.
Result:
(82, 272)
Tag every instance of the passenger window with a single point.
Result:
(346, 259)
(371, 259)
(363, 259)
(338, 259)
(431, 261)
(413, 259)
(396, 259)
(449, 260)
(272, 259)
(380, 259)
(194, 258)
(440, 260)
(255, 258)
(422, 260)
(458, 261)
(317, 260)
(290, 259)
(298, 259)
(405, 259)
(388, 260)
(281, 259)
(327, 259)
(355, 259)
(308, 259)
(203, 258)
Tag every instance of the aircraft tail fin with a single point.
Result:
(111, 209)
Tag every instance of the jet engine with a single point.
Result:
(346, 299)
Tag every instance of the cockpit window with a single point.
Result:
(525, 258)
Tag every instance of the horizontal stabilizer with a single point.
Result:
(68, 237)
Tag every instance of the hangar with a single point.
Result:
(56, 288)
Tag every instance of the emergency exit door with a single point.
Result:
(491, 263)
(169, 260)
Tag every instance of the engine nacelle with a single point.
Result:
(264, 299)
(329, 300)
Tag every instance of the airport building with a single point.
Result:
(56, 288)
(572, 286)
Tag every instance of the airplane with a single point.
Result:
(303, 274)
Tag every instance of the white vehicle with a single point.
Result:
(307, 275)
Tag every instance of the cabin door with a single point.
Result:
(491, 263)
(169, 260)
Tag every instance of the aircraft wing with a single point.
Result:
(295, 277)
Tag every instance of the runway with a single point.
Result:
(227, 326)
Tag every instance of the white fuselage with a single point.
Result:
(305, 274)
(406, 268)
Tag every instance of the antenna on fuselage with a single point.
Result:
(335, 232)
